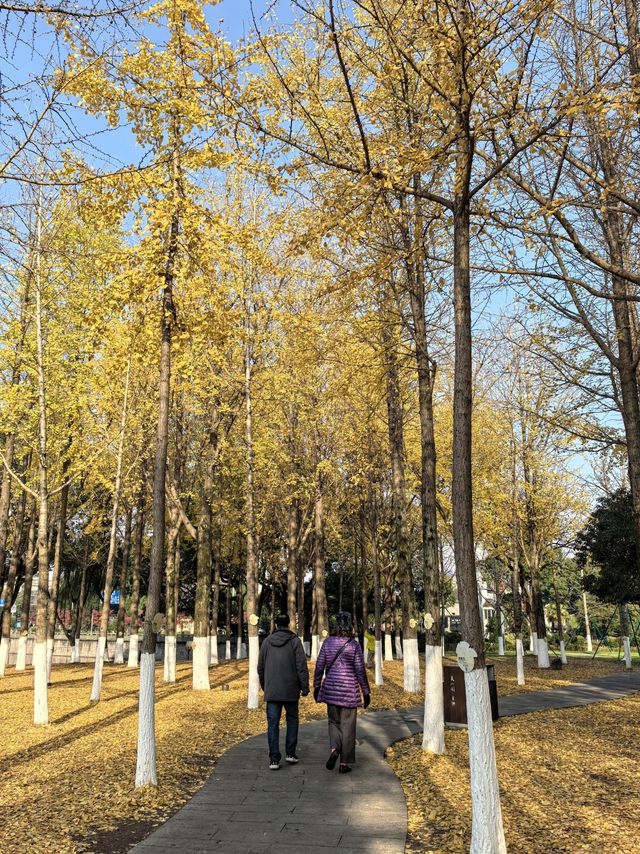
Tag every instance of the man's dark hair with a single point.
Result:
(282, 621)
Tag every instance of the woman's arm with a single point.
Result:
(361, 672)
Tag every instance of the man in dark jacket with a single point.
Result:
(284, 676)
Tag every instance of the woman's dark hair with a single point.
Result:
(344, 624)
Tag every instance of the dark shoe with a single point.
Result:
(274, 764)
(291, 758)
(331, 761)
(344, 769)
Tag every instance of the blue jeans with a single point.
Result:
(274, 710)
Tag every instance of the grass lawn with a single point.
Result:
(68, 787)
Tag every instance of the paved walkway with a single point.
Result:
(244, 808)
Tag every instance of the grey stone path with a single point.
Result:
(244, 808)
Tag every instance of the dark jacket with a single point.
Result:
(282, 667)
(347, 676)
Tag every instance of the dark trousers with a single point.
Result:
(342, 732)
(274, 710)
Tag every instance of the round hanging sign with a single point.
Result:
(428, 621)
(412, 623)
(325, 633)
(253, 619)
(466, 656)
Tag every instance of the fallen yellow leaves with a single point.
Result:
(568, 782)
(69, 787)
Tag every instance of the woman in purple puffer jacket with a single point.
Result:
(340, 662)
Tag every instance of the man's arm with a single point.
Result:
(302, 668)
(262, 657)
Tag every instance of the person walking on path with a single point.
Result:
(340, 662)
(284, 676)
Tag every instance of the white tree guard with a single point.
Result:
(97, 670)
(315, 647)
(563, 653)
(398, 647)
(227, 650)
(4, 655)
(201, 663)
(146, 761)
(487, 834)
(213, 643)
(21, 659)
(433, 731)
(520, 661)
(134, 640)
(500, 644)
(379, 680)
(543, 653)
(388, 647)
(253, 697)
(412, 678)
(626, 643)
(534, 643)
(118, 655)
(169, 670)
(40, 698)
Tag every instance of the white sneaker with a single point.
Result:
(273, 765)
(291, 758)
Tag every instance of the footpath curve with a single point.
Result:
(244, 808)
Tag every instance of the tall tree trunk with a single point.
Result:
(515, 570)
(40, 697)
(134, 638)
(253, 617)
(146, 759)
(52, 610)
(239, 628)
(5, 501)
(111, 557)
(587, 624)
(375, 566)
(563, 655)
(118, 658)
(398, 500)
(487, 834)
(215, 594)
(25, 610)
(8, 588)
(626, 631)
(321, 625)
(77, 621)
(292, 563)
(364, 580)
(170, 602)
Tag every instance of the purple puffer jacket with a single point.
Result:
(346, 678)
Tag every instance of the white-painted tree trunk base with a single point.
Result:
(379, 680)
(243, 651)
(227, 650)
(201, 663)
(50, 643)
(307, 648)
(589, 645)
(239, 648)
(365, 653)
(253, 697)
(388, 647)
(543, 653)
(146, 761)
(398, 647)
(40, 695)
(4, 655)
(626, 643)
(487, 834)
(97, 670)
(132, 660)
(520, 661)
(442, 645)
(533, 642)
(563, 653)
(315, 647)
(118, 656)
(500, 645)
(74, 653)
(433, 732)
(21, 659)
(169, 669)
(213, 644)
(412, 678)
